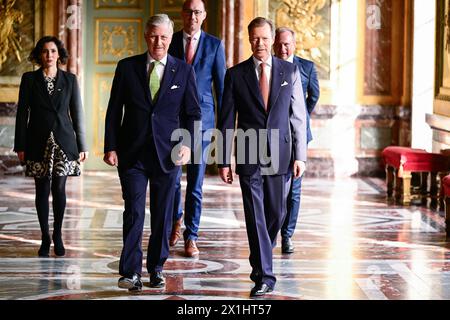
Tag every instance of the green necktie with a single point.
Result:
(154, 80)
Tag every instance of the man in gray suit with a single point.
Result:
(284, 47)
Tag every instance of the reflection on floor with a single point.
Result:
(349, 244)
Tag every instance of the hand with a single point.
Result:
(21, 156)
(111, 158)
(299, 168)
(184, 156)
(226, 174)
(83, 156)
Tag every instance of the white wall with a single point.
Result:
(424, 45)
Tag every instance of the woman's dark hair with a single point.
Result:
(35, 55)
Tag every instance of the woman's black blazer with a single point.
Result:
(38, 113)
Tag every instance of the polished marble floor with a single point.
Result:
(349, 244)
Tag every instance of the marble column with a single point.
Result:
(69, 31)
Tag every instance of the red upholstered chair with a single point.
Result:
(445, 193)
(400, 162)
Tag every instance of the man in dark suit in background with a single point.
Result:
(284, 48)
(207, 56)
(266, 96)
(152, 95)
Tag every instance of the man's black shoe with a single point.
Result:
(132, 284)
(287, 246)
(260, 290)
(157, 280)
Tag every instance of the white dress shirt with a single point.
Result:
(159, 68)
(195, 38)
(268, 68)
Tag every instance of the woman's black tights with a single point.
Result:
(57, 185)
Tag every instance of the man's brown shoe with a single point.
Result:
(176, 232)
(190, 249)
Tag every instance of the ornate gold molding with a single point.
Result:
(127, 33)
(9, 38)
(119, 38)
(102, 89)
(303, 18)
(119, 4)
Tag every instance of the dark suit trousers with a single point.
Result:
(134, 183)
(195, 174)
(293, 208)
(265, 209)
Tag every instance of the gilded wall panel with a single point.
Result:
(171, 5)
(19, 31)
(120, 4)
(116, 39)
(102, 89)
(442, 100)
(311, 21)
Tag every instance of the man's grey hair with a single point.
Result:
(259, 22)
(157, 20)
(285, 29)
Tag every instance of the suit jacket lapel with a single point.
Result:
(252, 82)
(41, 87)
(200, 49)
(178, 50)
(276, 78)
(141, 71)
(169, 73)
(60, 87)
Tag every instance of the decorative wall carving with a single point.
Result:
(310, 19)
(102, 89)
(20, 28)
(117, 39)
(10, 39)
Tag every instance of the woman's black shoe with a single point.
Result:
(58, 245)
(44, 250)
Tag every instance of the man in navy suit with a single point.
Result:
(265, 94)
(152, 96)
(207, 56)
(284, 48)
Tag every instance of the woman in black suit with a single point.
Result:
(50, 134)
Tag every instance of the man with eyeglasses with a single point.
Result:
(207, 56)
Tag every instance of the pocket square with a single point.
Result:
(284, 84)
(174, 87)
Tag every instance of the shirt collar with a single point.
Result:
(150, 59)
(196, 36)
(258, 62)
(291, 58)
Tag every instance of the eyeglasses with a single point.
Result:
(189, 12)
